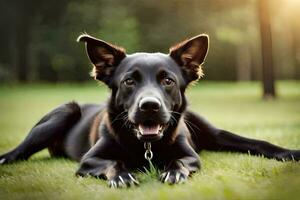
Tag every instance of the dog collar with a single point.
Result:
(148, 153)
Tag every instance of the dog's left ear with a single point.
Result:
(104, 56)
(190, 55)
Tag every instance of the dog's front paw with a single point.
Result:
(122, 180)
(174, 177)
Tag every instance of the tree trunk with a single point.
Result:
(266, 48)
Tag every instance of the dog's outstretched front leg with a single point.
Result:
(114, 171)
(185, 162)
(104, 160)
(179, 170)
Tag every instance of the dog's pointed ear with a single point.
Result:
(190, 55)
(104, 56)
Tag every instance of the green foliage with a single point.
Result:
(235, 107)
(38, 37)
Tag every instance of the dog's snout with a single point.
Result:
(149, 104)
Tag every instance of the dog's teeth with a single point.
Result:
(140, 130)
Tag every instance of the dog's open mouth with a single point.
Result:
(150, 131)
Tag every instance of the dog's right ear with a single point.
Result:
(104, 56)
(190, 55)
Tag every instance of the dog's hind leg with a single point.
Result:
(50, 130)
(205, 136)
(227, 141)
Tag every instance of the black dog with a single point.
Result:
(147, 106)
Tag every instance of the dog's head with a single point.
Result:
(147, 88)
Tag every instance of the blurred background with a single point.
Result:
(252, 44)
(38, 37)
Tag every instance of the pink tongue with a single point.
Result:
(149, 130)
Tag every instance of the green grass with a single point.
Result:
(236, 107)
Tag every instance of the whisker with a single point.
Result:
(191, 125)
(119, 116)
(175, 112)
(126, 121)
(175, 120)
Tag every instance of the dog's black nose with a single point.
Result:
(149, 104)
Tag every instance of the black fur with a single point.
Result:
(147, 94)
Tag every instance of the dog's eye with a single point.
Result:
(168, 82)
(129, 82)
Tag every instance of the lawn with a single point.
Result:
(232, 106)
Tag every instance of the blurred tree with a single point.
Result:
(266, 46)
(236, 28)
(22, 17)
(38, 36)
(296, 50)
(295, 39)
